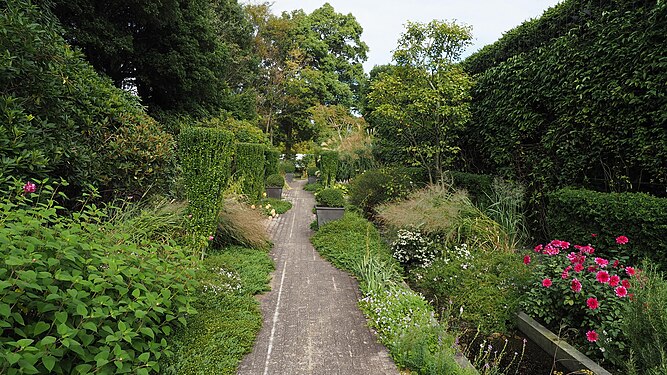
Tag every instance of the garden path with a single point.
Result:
(312, 324)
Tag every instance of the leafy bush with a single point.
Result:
(60, 119)
(330, 198)
(216, 339)
(206, 160)
(584, 293)
(286, 166)
(411, 248)
(237, 224)
(78, 298)
(478, 186)
(328, 167)
(278, 206)
(249, 169)
(314, 187)
(271, 157)
(578, 213)
(645, 323)
(275, 180)
(369, 189)
(312, 171)
(244, 131)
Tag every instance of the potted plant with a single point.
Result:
(274, 185)
(330, 205)
(312, 174)
(287, 166)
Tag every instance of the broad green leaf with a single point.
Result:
(48, 340)
(49, 362)
(40, 327)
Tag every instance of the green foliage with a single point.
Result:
(60, 119)
(314, 187)
(312, 171)
(478, 186)
(244, 131)
(416, 107)
(328, 167)
(206, 155)
(286, 166)
(645, 322)
(229, 318)
(374, 187)
(249, 169)
(280, 206)
(581, 109)
(187, 56)
(578, 213)
(79, 297)
(271, 157)
(275, 180)
(330, 197)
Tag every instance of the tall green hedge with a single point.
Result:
(575, 214)
(206, 155)
(328, 167)
(272, 157)
(249, 168)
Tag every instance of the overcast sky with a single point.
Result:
(383, 20)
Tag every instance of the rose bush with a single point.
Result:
(581, 296)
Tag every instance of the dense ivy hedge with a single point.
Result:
(328, 167)
(271, 159)
(60, 119)
(206, 155)
(249, 168)
(575, 214)
(587, 110)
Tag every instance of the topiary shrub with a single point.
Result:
(206, 155)
(369, 189)
(328, 167)
(275, 180)
(249, 169)
(80, 297)
(312, 171)
(60, 119)
(576, 214)
(330, 198)
(287, 166)
(271, 157)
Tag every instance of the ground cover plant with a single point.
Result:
(404, 320)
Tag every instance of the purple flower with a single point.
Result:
(29, 187)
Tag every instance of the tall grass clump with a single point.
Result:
(506, 208)
(240, 225)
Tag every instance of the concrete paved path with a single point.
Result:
(312, 324)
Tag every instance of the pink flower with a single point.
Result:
(546, 282)
(29, 187)
(630, 271)
(578, 267)
(539, 248)
(210, 238)
(526, 259)
(593, 235)
(601, 262)
(621, 291)
(592, 268)
(621, 240)
(602, 276)
(616, 262)
(572, 257)
(591, 336)
(588, 249)
(575, 285)
(614, 280)
(564, 275)
(626, 284)
(592, 303)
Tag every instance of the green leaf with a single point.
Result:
(83, 369)
(40, 327)
(144, 357)
(147, 331)
(81, 309)
(5, 310)
(49, 362)
(25, 342)
(48, 340)
(90, 326)
(142, 371)
(12, 358)
(136, 293)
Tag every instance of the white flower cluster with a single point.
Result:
(461, 254)
(413, 247)
(229, 282)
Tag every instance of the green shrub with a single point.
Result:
(645, 323)
(271, 157)
(330, 198)
(275, 180)
(216, 339)
(576, 214)
(280, 206)
(206, 159)
(369, 189)
(287, 166)
(80, 298)
(312, 171)
(244, 131)
(314, 187)
(249, 169)
(60, 119)
(328, 167)
(478, 186)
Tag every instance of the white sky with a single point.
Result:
(383, 20)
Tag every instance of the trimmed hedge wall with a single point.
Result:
(206, 155)
(249, 168)
(328, 167)
(574, 214)
(271, 157)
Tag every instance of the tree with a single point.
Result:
(415, 106)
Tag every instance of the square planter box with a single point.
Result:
(274, 192)
(289, 177)
(327, 214)
(312, 179)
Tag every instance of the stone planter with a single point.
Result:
(312, 179)
(563, 352)
(289, 177)
(274, 192)
(327, 214)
